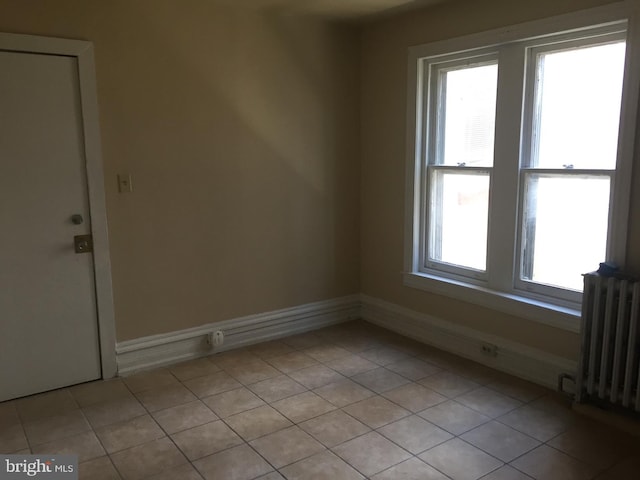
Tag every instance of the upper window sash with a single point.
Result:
(436, 85)
(533, 50)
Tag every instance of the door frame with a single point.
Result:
(82, 51)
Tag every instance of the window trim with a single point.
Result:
(503, 296)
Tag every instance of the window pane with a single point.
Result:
(469, 115)
(565, 228)
(459, 208)
(578, 107)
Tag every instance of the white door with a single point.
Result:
(48, 322)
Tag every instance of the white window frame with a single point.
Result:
(434, 150)
(499, 287)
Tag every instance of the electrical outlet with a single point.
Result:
(489, 349)
(215, 339)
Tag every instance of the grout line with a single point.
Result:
(326, 340)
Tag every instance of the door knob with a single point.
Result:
(77, 219)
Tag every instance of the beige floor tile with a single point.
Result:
(350, 365)
(98, 469)
(413, 368)
(476, 372)
(302, 341)
(331, 334)
(518, 388)
(185, 471)
(12, 439)
(85, 445)
(24, 451)
(442, 359)
(232, 402)
(292, 361)
(212, 384)
(232, 357)
(500, 441)
(454, 417)
(536, 423)
(371, 453)
(270, 349)
(334, 428)
(326, 352)
(407, 345)
(449, 384)
(383, 355)
(44, 405)
(506, 473)
(414, 397)
(152, 379)
(99, 392)
(546, 463)
(303, 406)
(415, 434)
(343, 393)
(238, 463)
(380, 380)
(148, 459)
(488, 402)
(252, 372)
(593, 444)
(558, 405)
(271, 476)
(287, 446)
(56, 427)
(160, 398)
(119, 436)
(316, 376)
(576, 449)
(8, 414)
(412, 469)
(206, 439)
(193, 369)
(322, 466)
(460, 461)
(183, 417)
(627, 469)
(357, 343)
(115, 411)
(257, 422)
(277, 388)
(376, 411)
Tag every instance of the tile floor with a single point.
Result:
(347, 402)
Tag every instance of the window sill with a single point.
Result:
(556, 316)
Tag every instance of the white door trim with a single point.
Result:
(83, 52)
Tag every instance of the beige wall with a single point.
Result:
(243, 132)
(383, 113)
(240, 130)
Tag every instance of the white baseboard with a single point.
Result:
(514, 358)
(164, 349)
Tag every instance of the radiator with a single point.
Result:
(609, 365)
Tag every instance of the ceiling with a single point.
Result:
(339, 9)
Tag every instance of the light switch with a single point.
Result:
(124, 183)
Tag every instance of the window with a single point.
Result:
(519, 178)
(464, 106)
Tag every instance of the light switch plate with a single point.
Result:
(124, 183)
